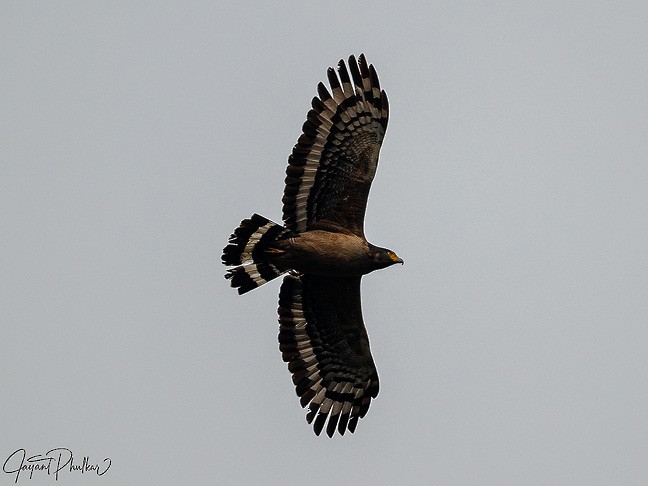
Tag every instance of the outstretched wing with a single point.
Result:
(324, 341)
(330, 169)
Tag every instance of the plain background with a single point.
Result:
(512, 346)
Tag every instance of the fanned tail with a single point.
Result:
(247, 249)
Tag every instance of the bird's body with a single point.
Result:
(323, 247)
(325, 253)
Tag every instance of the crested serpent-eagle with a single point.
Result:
(322, 248)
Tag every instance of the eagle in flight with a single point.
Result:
(323, 250)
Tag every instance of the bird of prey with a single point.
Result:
(323, 250)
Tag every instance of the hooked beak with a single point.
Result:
(396, 259)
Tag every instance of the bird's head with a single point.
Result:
(382, 257)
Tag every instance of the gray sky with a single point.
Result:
(512, 346)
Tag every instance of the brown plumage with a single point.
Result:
(322, 244)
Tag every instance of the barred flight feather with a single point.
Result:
(343, 131)
(333, 375)
(246, 248)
